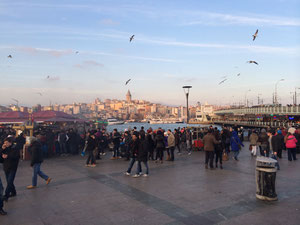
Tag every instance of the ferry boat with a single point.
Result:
(112, 121)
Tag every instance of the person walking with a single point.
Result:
(263, 140)
(253, 142)
(151, 144)
(177, 140)
(291, 143)
(171, 144)
(209, 141)
(218, 149)
(142, 156)
(160, 146)
(11, 155)
(235, 144)
(62, 140)
(36, 161)
(134, 148)
(116, 142)
(90, 147)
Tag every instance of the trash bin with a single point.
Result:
(265, 178)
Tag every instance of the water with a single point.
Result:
(164, 126)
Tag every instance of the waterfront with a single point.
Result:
(164, 126)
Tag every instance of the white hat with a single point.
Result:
(292, 130)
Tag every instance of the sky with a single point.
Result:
(67, 51)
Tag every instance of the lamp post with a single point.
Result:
(276, 95)
(296, 95)
(186, 90)
(246, 100)
(258, 100)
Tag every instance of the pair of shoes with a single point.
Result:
(127, 174)
(145, 175)
(2, 212)
(189, 153)
(119, 157)
(93, 165)
(104, 153)
(31, 187)
(87, 165)
(48, 180)
(113, 158)
(135, 175)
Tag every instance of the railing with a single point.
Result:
(278, 110)
(255, 123)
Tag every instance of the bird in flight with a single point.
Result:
(251, 61)
(76, 52)
(222, 81)
(223, 77)
(48, 77)
(9, 56)
(131, 38)
(39, 93)
(238, 74)
(127, 81)
(255, 35)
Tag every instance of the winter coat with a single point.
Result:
(253, 139)
(36, 153)
(291, 141)
(116, 139)
(177, 138)
(159, 140)
(12, 161)
(171, 140)
(263, 139)
(142, 153)
(209, 142)
(235, 142)
(277, 142)
(91, 144)
(134, 148)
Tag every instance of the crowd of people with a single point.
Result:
(138, 147)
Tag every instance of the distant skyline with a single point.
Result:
(76, 51)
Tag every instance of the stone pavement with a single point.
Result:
(175, 193)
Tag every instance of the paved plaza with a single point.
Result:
(175, 193)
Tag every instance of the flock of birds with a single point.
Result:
(131, 39)
(250, 62)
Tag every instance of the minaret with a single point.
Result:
(128, 97)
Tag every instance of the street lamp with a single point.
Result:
(296, 95)
(276, 96)
(246, 101)
(186, 90)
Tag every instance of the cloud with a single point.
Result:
(53, 52)
(210, 18)
(88, 63)
(109, 22)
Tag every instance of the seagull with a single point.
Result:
(222, 81)
(238, 74)
(48, 77)
(39, 93)
(9, 56)
(223, 77)
(131, 38)
(127, 81)
(76, 52)
(255, 35)
(251, 61)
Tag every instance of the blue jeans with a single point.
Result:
(291, 154)
(236, 153)
(37, 171)
(116, 150)
(10, 177)
(1, 194)
(139, 167)
(132, 161)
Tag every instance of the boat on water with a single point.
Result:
(167, 121)
(112, 121)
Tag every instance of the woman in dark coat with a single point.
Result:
(160, 146)
(142, 155)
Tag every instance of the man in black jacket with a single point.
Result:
(36, 161)
(91, 144)
(10, 155)
(133, 147)
(116, 141)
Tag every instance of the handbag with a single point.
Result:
(250, 147)
(225, 156)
